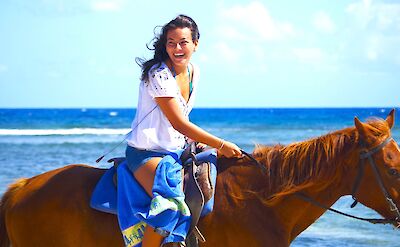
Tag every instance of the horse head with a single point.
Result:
(377, 184)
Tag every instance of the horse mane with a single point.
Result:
(300, 165)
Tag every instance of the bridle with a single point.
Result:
(363, 156)
(368, 155)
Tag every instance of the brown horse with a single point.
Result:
(252, 208)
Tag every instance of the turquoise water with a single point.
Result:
(33, 141)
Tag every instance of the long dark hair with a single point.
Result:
(160, 40)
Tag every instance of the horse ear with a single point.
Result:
(360, 127)
(390, 118)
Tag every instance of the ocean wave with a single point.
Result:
(63, 132)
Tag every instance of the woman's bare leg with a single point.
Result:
(145, 176)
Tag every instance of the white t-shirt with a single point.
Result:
(150, 128)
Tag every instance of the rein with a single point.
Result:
(363, 156)
(263, 168)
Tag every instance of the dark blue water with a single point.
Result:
(33, 141)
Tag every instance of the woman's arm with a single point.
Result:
(171, 110)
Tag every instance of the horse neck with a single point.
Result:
(323, 168)
(297, 214)
(240, 209)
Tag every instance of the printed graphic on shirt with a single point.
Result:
(161, 83)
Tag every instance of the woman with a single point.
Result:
(167, 90)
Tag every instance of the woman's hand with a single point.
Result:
(201, 145)
(229, 149)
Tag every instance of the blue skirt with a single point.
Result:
(138, 157)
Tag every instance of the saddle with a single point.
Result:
(198, 189)
(199, 184)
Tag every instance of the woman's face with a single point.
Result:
(180, 46)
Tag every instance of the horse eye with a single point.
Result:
(393, 172)
(389, 156)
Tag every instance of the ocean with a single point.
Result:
(33, 141)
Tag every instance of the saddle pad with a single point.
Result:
(104, 196)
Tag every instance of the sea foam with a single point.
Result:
(72, 131)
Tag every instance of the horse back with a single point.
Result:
(66, 185)
(52, 209)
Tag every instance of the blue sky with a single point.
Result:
(309, 53)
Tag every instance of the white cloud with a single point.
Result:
(227, 53)
(371, 54)
(309, 55)
(252, 22)
(204, 58)
(69, 7)
(376, 15)
(388, 16)
(361, 11)
(244, 32)
(323, 22)
(106, 5)
(377, 29)
(51, 7)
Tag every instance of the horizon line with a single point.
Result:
(208, 107)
